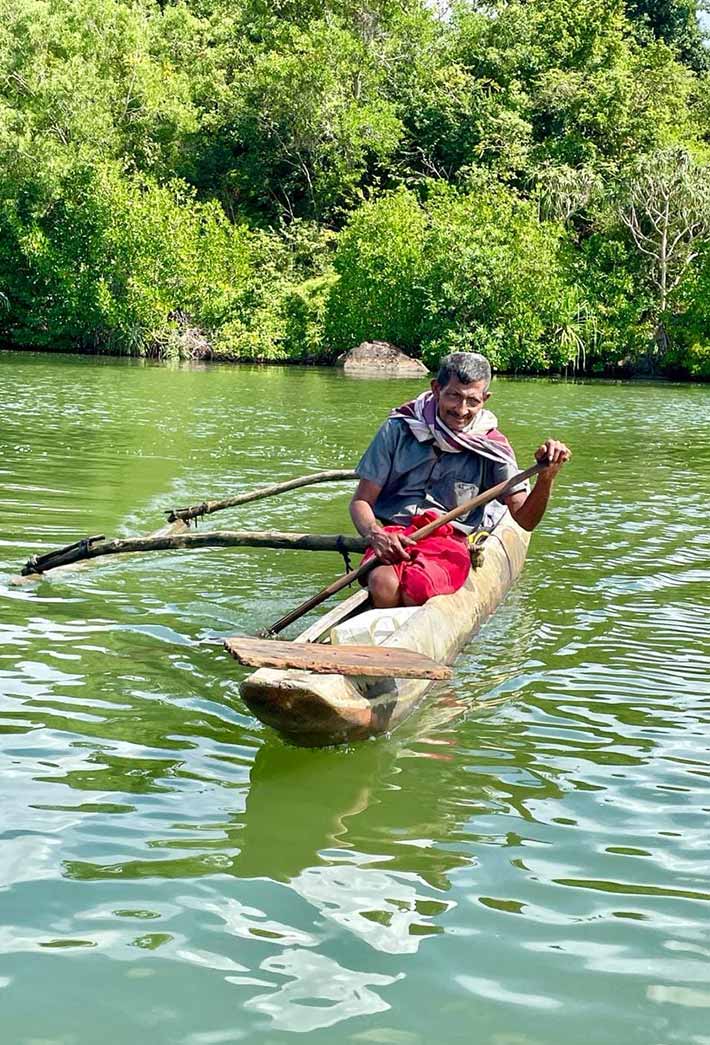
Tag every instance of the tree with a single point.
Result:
(676, 23)
(298, 122)
(568, 84)
(563, 191)
(85, 79)
(379, 261)
(667, 211)
(469, 268)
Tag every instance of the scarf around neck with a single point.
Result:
(481, 437)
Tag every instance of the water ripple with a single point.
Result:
(528, 852)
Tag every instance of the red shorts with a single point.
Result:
(439, 564)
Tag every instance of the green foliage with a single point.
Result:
(281, 180)
(113, 260)
(689, 351)
(610, 271)
(675, 22)
(467, 268)
(496, 278)
(379, 262)
(88, 77)
(689, 360)
(577, 78)
(280, 312)
(299, 123)
(305, 309)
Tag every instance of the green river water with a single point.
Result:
(524, 862)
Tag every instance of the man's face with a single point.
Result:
(458, 404)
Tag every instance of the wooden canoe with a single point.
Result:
(318, 710)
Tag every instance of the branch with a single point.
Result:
(335, 475)
(673, 283)
(316, 542)
(685, 236)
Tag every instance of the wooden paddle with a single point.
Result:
(356, 660)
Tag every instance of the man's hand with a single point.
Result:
(390, 547)
(529, 510)
(554, 454)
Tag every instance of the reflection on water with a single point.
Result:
(321, 992)
(309, 825)
(528, 852)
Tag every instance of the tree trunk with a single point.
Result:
(661, 340)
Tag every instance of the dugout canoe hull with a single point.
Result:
(320, 710)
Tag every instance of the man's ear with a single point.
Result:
(436, 388)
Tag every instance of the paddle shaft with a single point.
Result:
(500, 490)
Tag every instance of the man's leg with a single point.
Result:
(385, 591)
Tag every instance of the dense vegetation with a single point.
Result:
(280, 179)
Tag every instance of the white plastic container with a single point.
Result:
(372, 627)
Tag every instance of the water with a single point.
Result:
(524, 862)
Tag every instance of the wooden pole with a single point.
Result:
(317, 542)
(500, 490)
(195, 511)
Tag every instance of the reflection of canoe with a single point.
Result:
(316, 710)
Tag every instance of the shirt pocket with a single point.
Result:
(464, 492)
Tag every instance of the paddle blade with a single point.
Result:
(335, 660)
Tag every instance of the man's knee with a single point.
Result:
(383, 583)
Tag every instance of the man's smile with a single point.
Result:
(455, 422)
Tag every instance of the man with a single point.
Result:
(431, 455)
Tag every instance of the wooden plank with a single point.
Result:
(335, 660)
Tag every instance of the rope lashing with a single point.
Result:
(340, 547)
(475, 543)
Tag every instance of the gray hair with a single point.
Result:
(466, 367)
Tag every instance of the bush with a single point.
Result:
(305, 311)
(496, 280)
(380, 262)
(466, 269)
(113, 261)
(279, 313)
(691, 361)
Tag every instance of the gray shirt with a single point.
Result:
(416, 477)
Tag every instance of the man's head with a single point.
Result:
(461, 388)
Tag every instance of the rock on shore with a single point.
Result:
(373, 358)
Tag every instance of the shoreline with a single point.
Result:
(626, 376)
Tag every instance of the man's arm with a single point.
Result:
(388, 547)
(528, 510)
